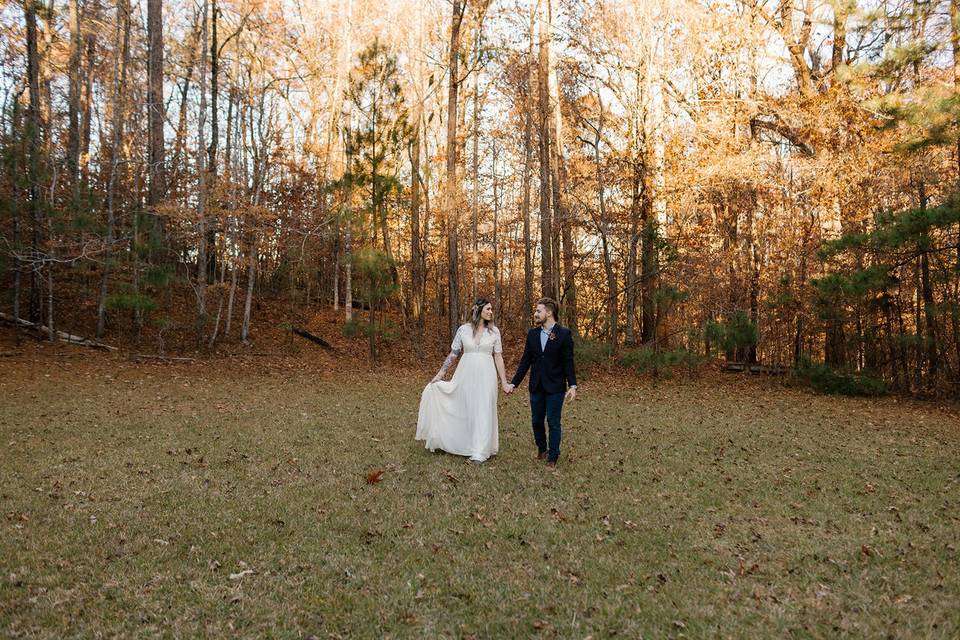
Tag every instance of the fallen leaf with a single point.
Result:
(374, 476)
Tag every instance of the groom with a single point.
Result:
(548, 354)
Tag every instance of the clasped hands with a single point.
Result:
(509, 388)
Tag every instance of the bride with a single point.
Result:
(460, 415)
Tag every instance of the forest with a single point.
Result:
(769, 182)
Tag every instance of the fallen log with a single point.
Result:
(148, 356)
(303, 333)
(748, 367)
(62, 335)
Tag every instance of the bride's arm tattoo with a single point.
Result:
(449, 361)
(455, 350)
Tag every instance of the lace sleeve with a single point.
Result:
(497, 343)
(455, 350)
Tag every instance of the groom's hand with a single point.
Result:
(572, 393)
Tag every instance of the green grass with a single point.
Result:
(133, 503)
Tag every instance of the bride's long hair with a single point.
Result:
(475, 312)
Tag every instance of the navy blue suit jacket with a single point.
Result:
(551, 369)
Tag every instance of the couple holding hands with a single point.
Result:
(459, 415)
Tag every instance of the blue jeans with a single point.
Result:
(549, 406)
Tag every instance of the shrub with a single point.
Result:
(827, 379)
(131, 301)
(644, 360)
(353, 328)
(587, 352)
(736, 334)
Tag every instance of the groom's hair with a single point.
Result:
(551, 304)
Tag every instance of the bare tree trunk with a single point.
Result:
(50, 323)
(474, 257)
(425, 223)
(451, 188)
(562, 214)
(230, 297)
(648, 260)
(87, 112)
(416, 257)
(800, 327)
(135, 285)
(604, 228)
(121, 56)
(33, 157)
(155, 108)
(75, 68)
(211, 239)
(543, 94)
(348, 227)
(754, 262)
(650, 125)
(563, 249)
(201, 288)
(47, 97)
(180, 142)
(527, 170)
(497, 285)
(344, 63)
(15, 125)
(633, 241)
(251, 277)
(929, 304)
(231, 170)
(49, 165)
(216, 324)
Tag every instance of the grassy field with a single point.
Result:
(154, 502)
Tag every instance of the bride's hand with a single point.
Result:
(507, 388)
(437, 378)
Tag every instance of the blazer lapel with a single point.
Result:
(552, 337)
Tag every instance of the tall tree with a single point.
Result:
(452, 188)
(201, 285)
(117, 98)
(211, 238)
(547, 277)
(156, 110)
(379, 134)
(73, 99)
(527, 83)
(561, 213)
(33, 160)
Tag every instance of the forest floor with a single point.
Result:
(195, 500)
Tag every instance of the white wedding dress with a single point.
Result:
(459, 416)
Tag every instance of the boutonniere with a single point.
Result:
(552, 336)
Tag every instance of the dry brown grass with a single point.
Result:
(223, 500)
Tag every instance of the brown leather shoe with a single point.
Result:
(552, 466)
(542, 455)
